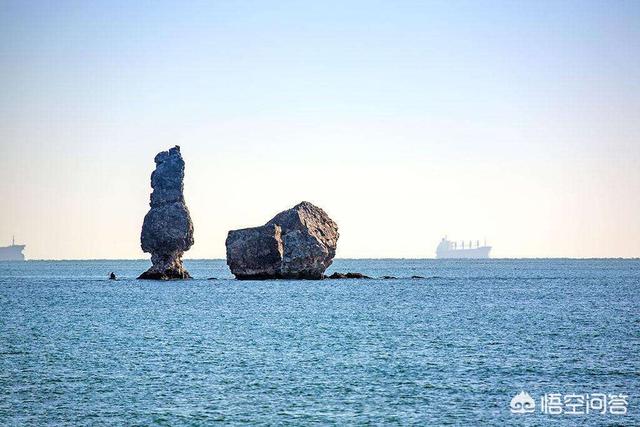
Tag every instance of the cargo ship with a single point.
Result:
(13, 252)
(447, 249)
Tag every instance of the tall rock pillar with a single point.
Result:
(167, 230)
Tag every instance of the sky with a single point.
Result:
(406, 121)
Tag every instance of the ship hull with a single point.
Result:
(12, 253)
(474, 253)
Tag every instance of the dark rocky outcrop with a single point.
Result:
(167, 231)
(298, 243)
(348, 276)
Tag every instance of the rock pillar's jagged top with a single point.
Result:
(167, 180)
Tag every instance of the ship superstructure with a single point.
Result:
(449, 249)
(13, 252)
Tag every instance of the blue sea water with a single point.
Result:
(450, 349)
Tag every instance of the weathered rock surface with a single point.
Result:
(298, 243)
(167, 230)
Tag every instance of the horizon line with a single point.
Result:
(351, 259)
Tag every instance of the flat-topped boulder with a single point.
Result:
(167, 230)
(298, 243)
(255, 253)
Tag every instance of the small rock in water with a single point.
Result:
(418, 277)
(388, 277)
(337, 275)
(298, 243)
(212, 278)
(112, 276)
(167, 231)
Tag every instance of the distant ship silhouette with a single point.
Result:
(13, 252)
(448, 249)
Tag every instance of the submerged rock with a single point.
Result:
(298, 243)
(167, 230)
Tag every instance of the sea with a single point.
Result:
(455, 346)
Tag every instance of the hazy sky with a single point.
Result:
(405, 121)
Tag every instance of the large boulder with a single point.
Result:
(167, 230)
(298, 243)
